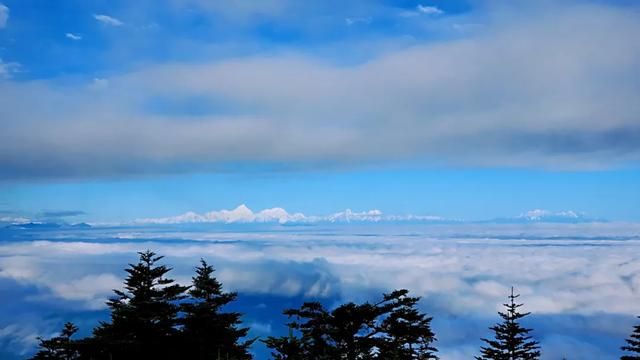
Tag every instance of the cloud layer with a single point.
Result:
(580, 285)
(555, 89)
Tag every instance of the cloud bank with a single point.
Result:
(555, 90)
(582, 289)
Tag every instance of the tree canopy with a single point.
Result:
(390, 329)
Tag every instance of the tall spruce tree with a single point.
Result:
(143, 315)
(633, 345)
(512, 341)
(60, 347)
(207, 331)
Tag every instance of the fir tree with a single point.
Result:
(633, 345)
(391, 329)
(208, 331)
(285, 347)
(512, 341)
(143, 315)
(407, 331)
(60, 347)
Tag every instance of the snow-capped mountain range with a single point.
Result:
(243, 214)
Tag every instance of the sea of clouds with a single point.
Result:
(581, 281)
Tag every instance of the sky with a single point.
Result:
(459, 109)
(326, 150)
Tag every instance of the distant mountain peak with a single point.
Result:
(541, 215)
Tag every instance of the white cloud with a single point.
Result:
(14, 219)
(453, 271)
(517, 94)
(422, 10)
(357, 20)
(108, 20)
(91, 289)
(429, 10)
(261, 328)
(73, 36)
(4, 15)
(8, 69)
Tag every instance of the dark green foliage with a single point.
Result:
(207, 331)
(408, 332)
(144, 315)
(633, 345)
(389, 329)
(285, 347)
(60, 347)
(154, 318)
(512, 341)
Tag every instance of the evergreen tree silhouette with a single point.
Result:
(408, 333)
(633, 345)
(209, 332)
(143, 315)
(390, 329)
(285, 347)
(60, 347)
(512, 341)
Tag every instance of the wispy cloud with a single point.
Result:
(8, 69)
(4, 15)
(73, 36)
(422, 10)
(107, 20)
(61, 213)
(429, 10)
(357, 20)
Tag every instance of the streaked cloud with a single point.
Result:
(357, 20)
(61, 213)
(422, 10)
(8, 69)
(107, 20)
(4, 16)
(73, 36)
(429, 10)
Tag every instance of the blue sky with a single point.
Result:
(463, 109)
(469, 194)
